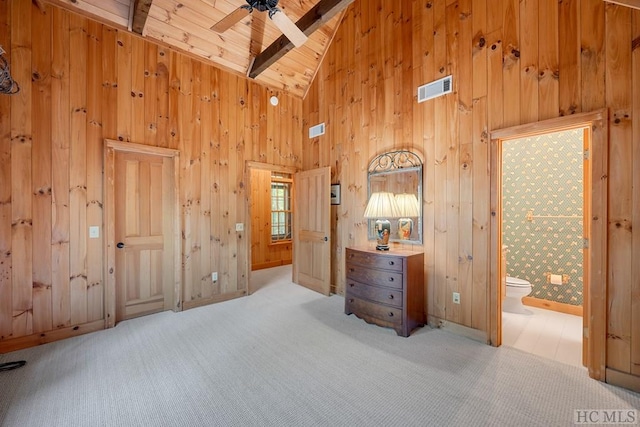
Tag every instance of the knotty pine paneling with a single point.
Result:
(81, 83)
(21, 119)
(6, 282)
(512, 63)
(635, 281)
(41, 174)
(618, 99)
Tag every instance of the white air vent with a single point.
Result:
(435, 89)
(316, 130)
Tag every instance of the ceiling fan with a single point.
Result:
(282, 21)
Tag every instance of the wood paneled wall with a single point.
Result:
(82, 82)
(513, 62)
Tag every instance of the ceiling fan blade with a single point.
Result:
(230, 20)
(289, 28)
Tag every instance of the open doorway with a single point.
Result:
(544, 243)
(592, 128)
(269, 231)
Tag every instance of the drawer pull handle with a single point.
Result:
(390, 296)
(351, 300)
(352, 270)
(391, 263)
(351, 285)
(390, 314)
(391, 279)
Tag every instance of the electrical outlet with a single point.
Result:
(456, 297)
(214, 276)
(239, 226)
(94, 232)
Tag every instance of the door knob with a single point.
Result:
(120, 245)
(326, 239)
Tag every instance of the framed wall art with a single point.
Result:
(335, 194)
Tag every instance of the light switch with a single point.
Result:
(239, 226)
(94, 232)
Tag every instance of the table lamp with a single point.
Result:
(381, 206)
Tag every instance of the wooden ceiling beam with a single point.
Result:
(630, 3)
(320, 14)
(140, 14)
(92, 11)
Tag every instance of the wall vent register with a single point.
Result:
(435, 89)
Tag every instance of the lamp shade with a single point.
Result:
(407, 205)
(382, 205)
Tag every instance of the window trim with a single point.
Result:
(288, 212)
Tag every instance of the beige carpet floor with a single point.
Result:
(286, 356)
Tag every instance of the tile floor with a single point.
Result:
(547, 333)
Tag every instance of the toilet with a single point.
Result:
(516, 289)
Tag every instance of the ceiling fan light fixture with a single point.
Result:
(263, 5)
(277, 16)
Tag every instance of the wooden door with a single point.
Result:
(144, 255)
(311, 229)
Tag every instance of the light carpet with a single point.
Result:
(286, 356)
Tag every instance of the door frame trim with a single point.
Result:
(110, 148)
(595, 305)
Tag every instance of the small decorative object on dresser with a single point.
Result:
(386, 289)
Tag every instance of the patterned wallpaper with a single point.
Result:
(543, 174)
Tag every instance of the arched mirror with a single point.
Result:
(394, 207)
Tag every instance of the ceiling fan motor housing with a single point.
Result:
(262, 5)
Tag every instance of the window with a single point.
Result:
(280, 207)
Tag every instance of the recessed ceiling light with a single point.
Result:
(274, 100)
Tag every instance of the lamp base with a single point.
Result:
(383, 227)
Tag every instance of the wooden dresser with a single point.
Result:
(386, 288)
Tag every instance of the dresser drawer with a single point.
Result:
(385, 262)
(374, 277)
(365, 309)
(373, 293)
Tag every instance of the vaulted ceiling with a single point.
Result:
(254, 46)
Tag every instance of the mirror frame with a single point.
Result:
(392, 162)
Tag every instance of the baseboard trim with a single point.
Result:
(33, 340)
(465, 331)
(576, 310)
(622, 379)
(218, 298)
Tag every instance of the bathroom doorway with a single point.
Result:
(543, 243)
(567, 240)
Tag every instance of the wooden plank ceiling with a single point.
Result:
(185, 25)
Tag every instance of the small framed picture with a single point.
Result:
(335, 194)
